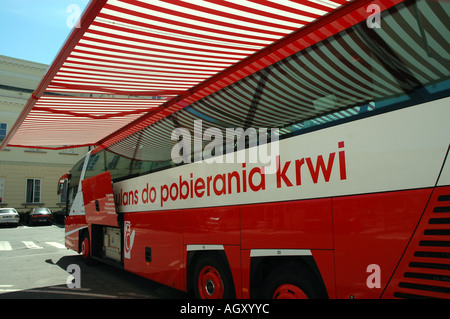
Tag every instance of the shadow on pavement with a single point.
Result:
(99, 281)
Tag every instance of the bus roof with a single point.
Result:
(131, 63)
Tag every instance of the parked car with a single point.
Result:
(40, 215)
(9, 216)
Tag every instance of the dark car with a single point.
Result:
(40, 216)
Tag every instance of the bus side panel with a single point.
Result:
(98, 198)
(73, 224)
(444, 177)
(424, 269)
(371, 233)
(303, 224)
(233, 254)
(153, 246)
(325, 262)
(245, 272)
(212, 226)
(216, 226)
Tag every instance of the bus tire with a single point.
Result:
(289, 282)
(85, 248)
(211, 279)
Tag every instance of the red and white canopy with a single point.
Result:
(133, 62)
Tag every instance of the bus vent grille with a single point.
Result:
(425, 271)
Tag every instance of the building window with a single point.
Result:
(2, 189)
(34, 150)
(70, 151)
(3, 128)
(33, 190)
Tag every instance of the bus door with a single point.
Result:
(102, 217)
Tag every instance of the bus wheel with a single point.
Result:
(86, 248)
(211, 280)
(289, 282)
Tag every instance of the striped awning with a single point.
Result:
(131, 63)
(345, 76)
(81, 116)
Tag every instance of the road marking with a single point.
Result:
(58, 252)
(31, 245)
(55, 244)
(5, 245)
(4, 288)
(8, 290)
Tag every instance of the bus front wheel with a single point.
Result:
(211, 280)
(85, 248)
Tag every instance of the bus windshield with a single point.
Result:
(74, 181)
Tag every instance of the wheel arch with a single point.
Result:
(81, 233)
(262, 266)
(194, 255)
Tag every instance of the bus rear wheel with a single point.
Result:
(289, 282)
(211, 280)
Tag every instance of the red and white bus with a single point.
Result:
(357, 207)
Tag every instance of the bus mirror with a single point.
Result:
(60, 187)
(58, 190)
(62, 181)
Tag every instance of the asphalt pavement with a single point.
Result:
(35, 264)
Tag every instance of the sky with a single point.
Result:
(35, 30)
